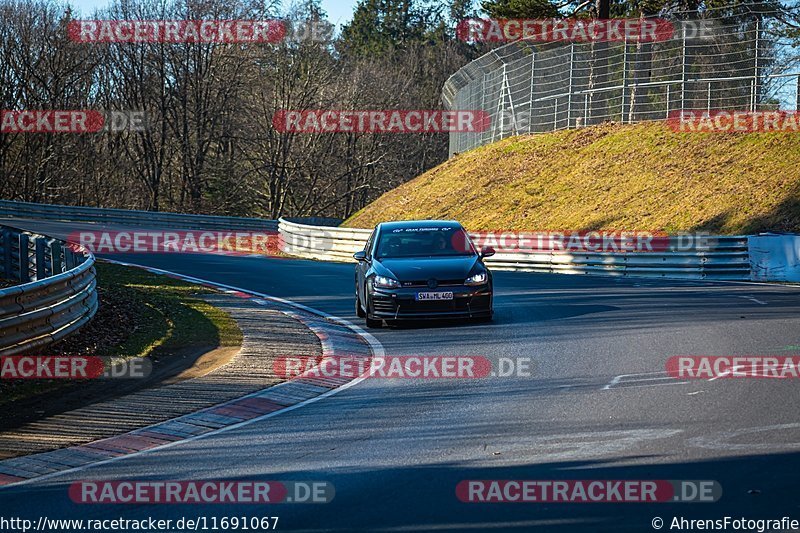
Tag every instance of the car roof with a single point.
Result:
(401, 224)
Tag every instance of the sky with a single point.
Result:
(339, 11)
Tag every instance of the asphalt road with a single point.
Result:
(597, 406)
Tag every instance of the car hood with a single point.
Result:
(425, 268)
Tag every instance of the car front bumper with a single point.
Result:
(399, 304)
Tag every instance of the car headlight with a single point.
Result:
(478, 279)
(385, 283)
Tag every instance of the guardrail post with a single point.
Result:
(69, 258)
(7, 264)
(56, 257)
(52, 308)
(24, 258)
(41, 261)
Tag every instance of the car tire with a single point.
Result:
(359, 310)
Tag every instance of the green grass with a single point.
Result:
(614, 177)
(171, 314)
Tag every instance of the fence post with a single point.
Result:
(667, 113)
(586, 109)
(507, 86)
(683, 67)
(69, 258)
(483, 102)
(500, 100)
(555, 116)
(41, 261)
(530, 103)
(24, 258)
(569, 101)
(708, 98)
(56, 257)
(753, 102)
(624, 77)
(7, 264)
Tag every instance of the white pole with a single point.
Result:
(683, 69)
(530, 104)
(667, 115)
(753, 102)
(555, 116)
(624, 76)
(569, 100)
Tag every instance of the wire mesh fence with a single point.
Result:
(739, 61)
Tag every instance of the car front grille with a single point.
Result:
(439, 283)
(433, 306)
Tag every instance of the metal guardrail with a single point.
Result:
(131, 217)
(726, 259)
(57, 294)
(321, 242)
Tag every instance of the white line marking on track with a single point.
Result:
(753, 299)
(620, 382)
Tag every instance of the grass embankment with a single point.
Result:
(168, 314)
(141, 315)
(613, 177)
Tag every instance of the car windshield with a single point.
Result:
(424, 242)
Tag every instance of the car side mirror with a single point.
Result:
(487, 251)
(360, 256)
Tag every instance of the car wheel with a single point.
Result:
(372, 322)
(359, 310)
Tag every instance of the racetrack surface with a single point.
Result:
(395, 449)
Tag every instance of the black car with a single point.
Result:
(419, 269)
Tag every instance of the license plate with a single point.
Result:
(434, 296)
